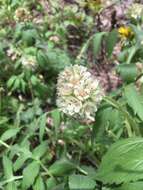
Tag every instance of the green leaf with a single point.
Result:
(131, 186)
(56, 118)
(134, 100)
(51, 183)
(24, 154)
(123, 162)
(61, 167)
(81, 182)
(39, 184)
(8, 173)
(34, 80)
(11, 81)
(111, 41)
(97, 41)
(29, 36)
(40, 150)
(123, 55)
(3, 120)
(42, 125)
(58, 187)
(62, 57)
(20, 161)
(128, 72)
(42, 59)
(16, 84)
(29, 174)
(7, 165)
(132, 51)
(107, 118)
(9, 134)
(137, 32)
(53, 59)
(11, 186)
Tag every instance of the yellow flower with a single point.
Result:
(125, 32)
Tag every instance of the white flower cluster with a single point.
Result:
(79, 93)
(136, 11)
(22, 15)
(13, 53)
(28, 62)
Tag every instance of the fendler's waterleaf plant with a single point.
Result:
(123, 162)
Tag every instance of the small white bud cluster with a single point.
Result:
(28, 62)
(22, 15)
(78, 93)
(135, 11)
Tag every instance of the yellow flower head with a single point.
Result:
(125, 32)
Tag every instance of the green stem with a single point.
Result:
(4, 144)
(44, 168)
(10, 180)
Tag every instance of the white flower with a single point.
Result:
(22, 14)
(28, 62)
(78, 93)
(13, 53)
(136, 11)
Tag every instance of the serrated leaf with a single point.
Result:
(134, 100)
(81, 182)
(123, 162)
(29, 174)
(131, 186)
